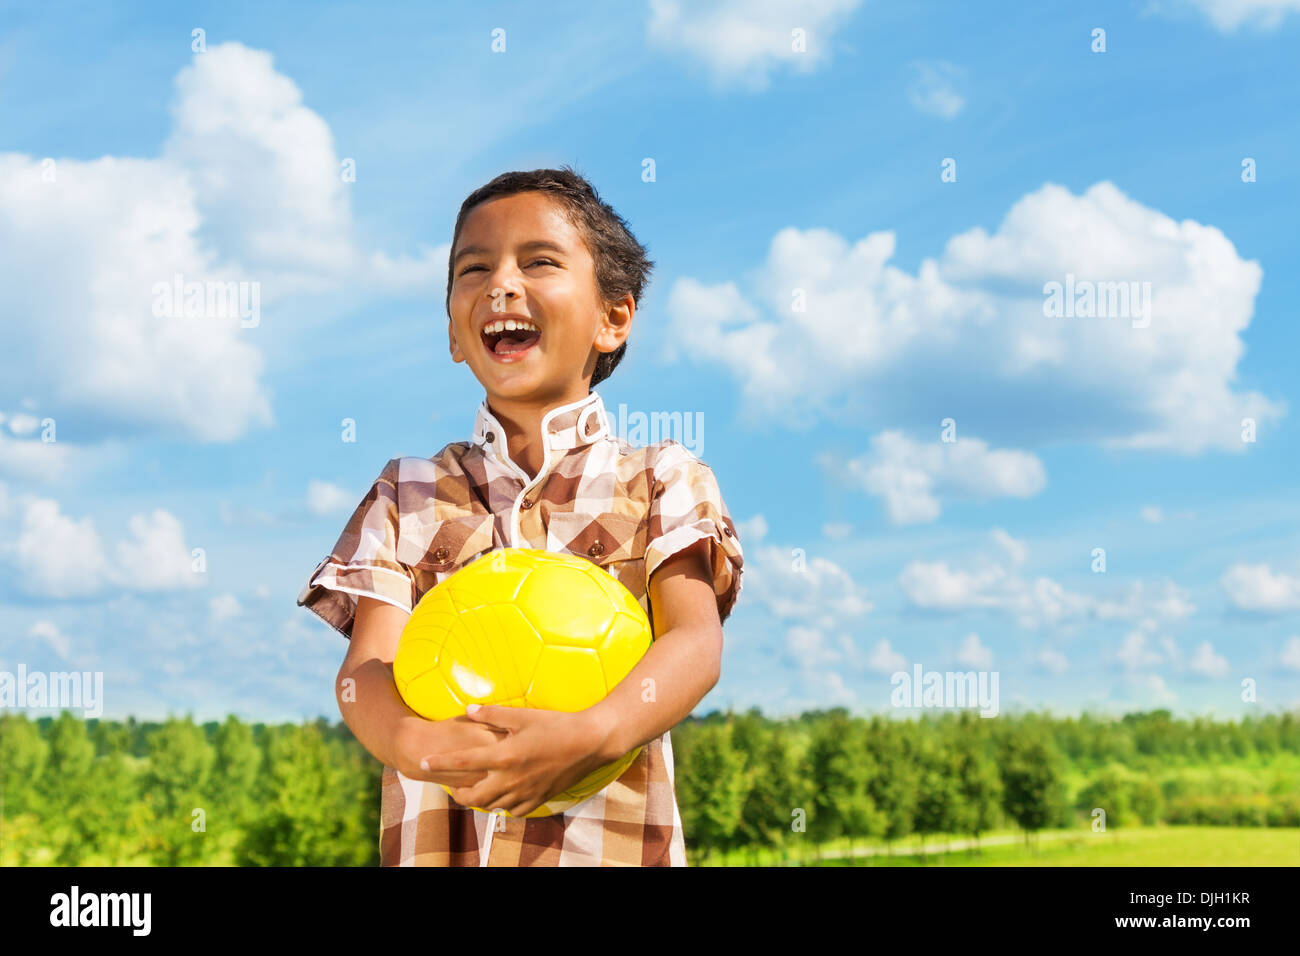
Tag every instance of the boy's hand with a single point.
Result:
(546, 752)
(418, 738)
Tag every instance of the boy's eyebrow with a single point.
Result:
(527, 246)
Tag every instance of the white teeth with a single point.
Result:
(503, 325)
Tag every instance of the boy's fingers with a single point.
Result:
(494, 714)
(476, 758)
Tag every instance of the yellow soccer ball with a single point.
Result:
(520, 627)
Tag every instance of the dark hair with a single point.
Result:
(621, 264)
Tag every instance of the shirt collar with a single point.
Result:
(568, 426)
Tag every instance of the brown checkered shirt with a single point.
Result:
(626, 508)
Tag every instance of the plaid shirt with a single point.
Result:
(624, 507)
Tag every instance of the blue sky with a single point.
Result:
(126, 157)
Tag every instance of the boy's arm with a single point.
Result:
(376, 713)
(683, 663)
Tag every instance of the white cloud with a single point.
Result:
(934, 585)
(1158, 690)
(1255, 587)
(81, 256)
(246, 189)
(22, 424)
(1152, 514)
(752, 530)
(830, 688)
(266, 180)
(813, 591)
(1141, 650)
(744, 41)
(883, 659)
(1228, 15)
(223, 607)
(56, 556)
(829, 328)
(934, 88)
(1166, 600)
(1208, 663)
(324, 498)
(1052, 660)
(1136, 652)
(837, 530)
(990, 585)
(811, 648)
(155, 556)
(911, 476)
(424, 274)
(48, 632)
(1290, 658)
(45, 461)
(1017, 551)
(973, 653)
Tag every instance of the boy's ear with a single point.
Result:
(456, 354)
(617, 325)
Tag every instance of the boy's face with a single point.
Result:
(498, 273)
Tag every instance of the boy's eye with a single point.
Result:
(535, 262)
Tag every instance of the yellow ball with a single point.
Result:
(523, 628)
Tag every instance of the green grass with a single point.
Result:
(1133, 846)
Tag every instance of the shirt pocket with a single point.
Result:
(616, 542)
(443, 546)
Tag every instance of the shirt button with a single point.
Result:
(491, 437)
(526, 503)
(596, 550)
(442, 554)
(728, 532)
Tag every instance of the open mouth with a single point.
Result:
(510, 337)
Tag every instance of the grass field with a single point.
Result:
(1139, 846)
(1142, 846)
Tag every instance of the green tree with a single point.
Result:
(841, 770)
(23, 757)
(235, 768)
(771, 771)
(1128, 798)
(24, 754)
(713, 785)
(67, 778)
(1032, 780)
(102, 818)
(938, 799)
(177, 783)
(980, 788)
(312, 816)
(894, 785)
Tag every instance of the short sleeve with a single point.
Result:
(686, 506)
(363, 562)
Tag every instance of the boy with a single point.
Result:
(543, 284)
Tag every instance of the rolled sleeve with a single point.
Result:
(687, 507)
(363, 562)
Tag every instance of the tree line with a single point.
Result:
(77, 791)
(750, 783)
